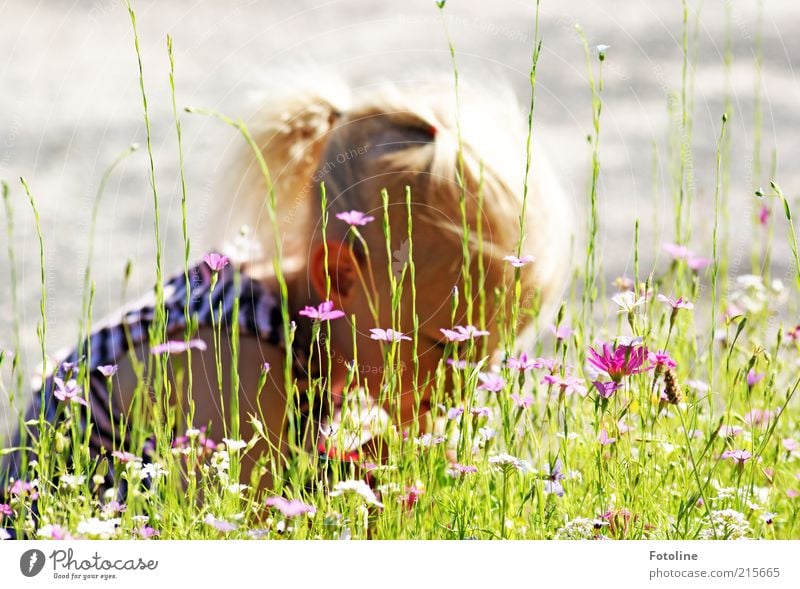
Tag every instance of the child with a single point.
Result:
(384, 139)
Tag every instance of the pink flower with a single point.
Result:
(387, 335)
(794, 334)
(455, 413)
(22, 488)
(763, 215)
(679, 303)
(457, 364)
(178, 346)
(68, 392)
(792, 493)
(758, 417)
(697, 263)
(125, 457)
(354, 218)
(522, 402)
(606, 389)
(456, 469)
(290, 507)
(738, 456)
(661, 359)
(561, 332)
(54, 532)
(729, 431)
(219, 524)
(107, 370)
(481, 412)
(215, 261)
(409, 500)
(519, 262)
(324, 312)
(491, 382)
(5, 509)
(146, 532)
(753, 377)
(679, 252)
(623, 427)
(604, 439)
(617, 362)
(460, 333)
(790, 444)
(523, 363)
(567, 384)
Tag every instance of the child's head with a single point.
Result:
(394, 139)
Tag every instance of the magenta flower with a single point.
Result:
(411, 496)
(619, 361)
(324, 312)
(522, 402)
(567, 384)
(460, 333)
(679, 303)
(553, 478)
(178, 346)
(523, 363)
(491, 382)
(604, 439)
(753, 377)
(107, 370)
(68, 392)
(606, 389)
(290, 507)
(215, 261)
(354, 218)
(679, 252)
(5, 509)
(661, 359)
(763, 215)
(387, 335)
(519, 262)
(738, 456)
(561, 332)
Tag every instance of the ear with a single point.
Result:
(342, 267)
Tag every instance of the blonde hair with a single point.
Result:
(387, 137)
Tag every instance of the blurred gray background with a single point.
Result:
(70, 104)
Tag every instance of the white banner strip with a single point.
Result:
(406, 564)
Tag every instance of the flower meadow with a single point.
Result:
(662, 405)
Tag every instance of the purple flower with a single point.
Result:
(606, 389)
(220, 524)
(553, 476)
(457, 364)
(456, 469)
(454, 413)
(523, 363)
(567, 384)
(738, 456)
(108, 370)
(215, 261)
(604, 439)
(324, 312)
(354, 218)
(481, 412)
(387, 335)
(68, 392)
(661, 359)
(290, 507)
(561, 332)
(491, 382)
(146, 532)
(679, 303)
(758, 417)
(519, 262)
(460, 333)
(619, 361)
(753, 377)
(522, 402)
(178, 347)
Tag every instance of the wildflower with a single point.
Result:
(697, 263)
(758, 417)
(753, 377)
(72, 481)
(561, 332)
(567, 384)
(729, 431)
(113, 508)
(53, 532)
(738, 456)
(356, 487)
(125, 457)
(682, 253)
(428, 440)
(68, 392)
(154, 471)
(454, 413)
(215, 261)
(506, 462)
(457, 364)
(763, 214)
(619, 361)
(387, 335)
(481, 412)
(790, 444)
(107, 370)
(324, 312)
(627, 301)
(491, 382)
(456, 470)
(411, 496)
(768, 517)
(679, 303)
(178, 347)
(461, 333)
(523, 363)
(661, 359)
(553, 478)
(623, 428)
(519, 262)
(727, 524)
(522, 402)
(234, 445)
(606, 389)
(604, 439)
(20, 488)
(98, 528)
(579, 528)
(219, 524)
(355, 218)
(5, 509)
(290, 507)
(146, 532)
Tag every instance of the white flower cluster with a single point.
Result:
(726, 524)
(580, 528)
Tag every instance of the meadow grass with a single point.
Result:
(691, 432)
